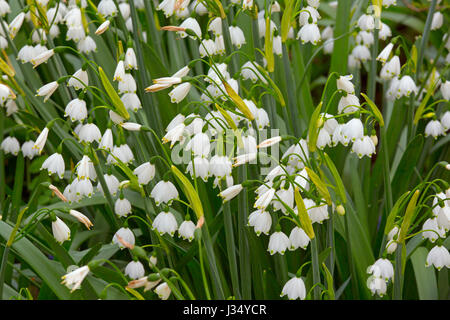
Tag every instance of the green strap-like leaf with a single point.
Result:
(112, 94)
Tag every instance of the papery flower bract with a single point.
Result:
(81, 217)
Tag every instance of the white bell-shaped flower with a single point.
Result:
(111, 182)
(134, 270)
(126, 234)
(363, 147)
(122, 207)
(298, 239)
(278, 242)
(352, 130)
(41, 139)
(76, 110)
(344, 83)
(439, 257)
(199, 167)
(220, 166)
(89, 133)
(186, 230)
(434, 128)
(165, 222)
(54, 164)
(309, 33)
(164, 192)
(432, 231)
(145, 172)
(382, 268)
(294, 289)
(261, 221)
(10, 145)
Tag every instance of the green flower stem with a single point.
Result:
(398, 275)
(202, 269)
(6, 251)
(371, 86)
(350, 259)
(292, 97)
(315, 265)
(425, 35)
(231, 249)
(2, 160)
(110, 213)
(244, 250)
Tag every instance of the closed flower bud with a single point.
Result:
(230, 192)
(41, 140)
(60, 230)
(103, 27)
